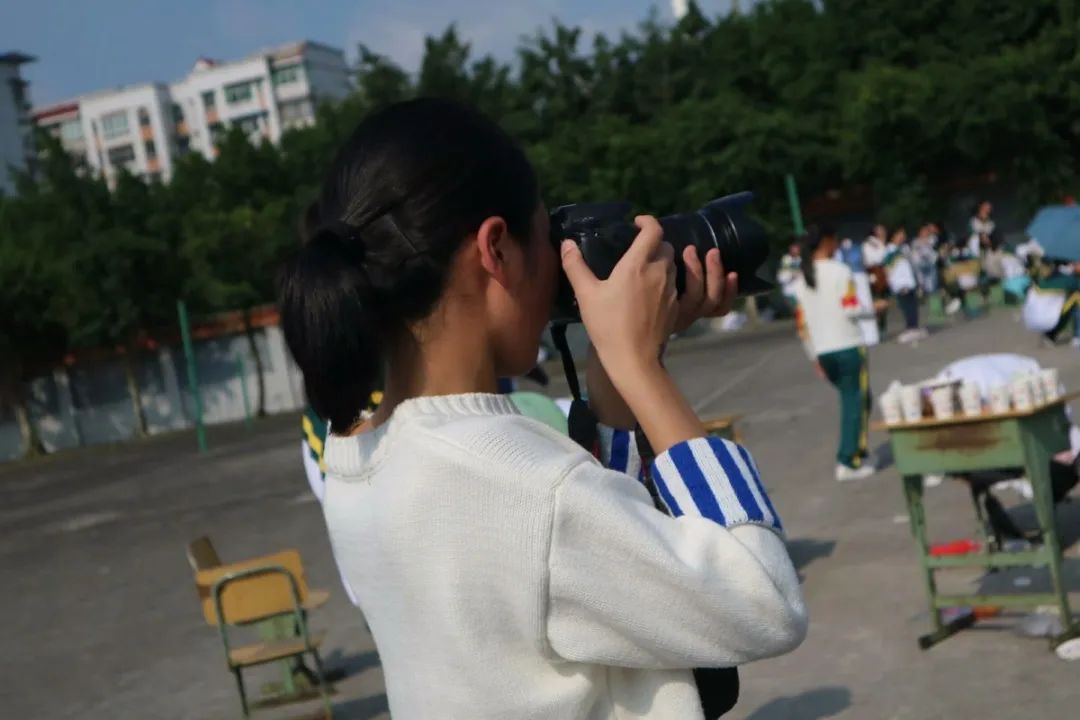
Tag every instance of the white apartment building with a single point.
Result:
(146, 127)
(128, 128)
(16, 127)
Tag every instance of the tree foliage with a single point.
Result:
(895, 96)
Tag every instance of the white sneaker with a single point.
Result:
(953, 306)
(1075, 342)
(907, 336)
(932, 481)
(847, 474)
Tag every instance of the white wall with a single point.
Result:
(89, 404)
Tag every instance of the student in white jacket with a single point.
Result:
(504, 571)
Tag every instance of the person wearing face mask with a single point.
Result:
(504, 571)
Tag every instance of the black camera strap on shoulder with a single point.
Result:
(718, 688)
(581, 423)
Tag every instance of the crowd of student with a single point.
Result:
(937, 262)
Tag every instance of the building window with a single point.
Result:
(144, 118)
(121, 155)
(115, 124)
(249, 124)
(296, 113)
(183, 145)
(286, 75)
(177, 113)
(238, 93)
(71, 131)
(208, 100)
(217, 132)
(151, 149)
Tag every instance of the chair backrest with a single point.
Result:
(201, 554)
(255, 595)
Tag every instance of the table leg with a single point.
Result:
(1038, 472)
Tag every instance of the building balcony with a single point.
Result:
(153, 165)
(212, 116)
(182, 128)
(147, 132)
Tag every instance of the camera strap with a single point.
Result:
(581, 423)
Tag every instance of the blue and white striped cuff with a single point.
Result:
(618, 450)
(716, 479)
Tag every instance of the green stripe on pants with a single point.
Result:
(847, 370)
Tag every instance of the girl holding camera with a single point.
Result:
(504, 571)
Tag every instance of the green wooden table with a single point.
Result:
(987, 442)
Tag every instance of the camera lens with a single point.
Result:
(724, 224)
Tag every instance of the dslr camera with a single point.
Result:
(604, 232)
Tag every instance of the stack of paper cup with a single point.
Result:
(911, 403)
(999, 399)
(890, 407)
(1038, 395)
(970, 398)
(1020, 391)
(1051, 384)
(941, 399)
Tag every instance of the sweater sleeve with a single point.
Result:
(710, 586)
(619, 451)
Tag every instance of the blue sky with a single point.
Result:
(85, 45)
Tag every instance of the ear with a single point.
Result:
(492, 240)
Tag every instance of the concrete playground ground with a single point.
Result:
(105, 621)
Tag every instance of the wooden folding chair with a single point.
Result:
(201, 554)
(723, 427)
(262, 589)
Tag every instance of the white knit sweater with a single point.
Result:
(506, 574)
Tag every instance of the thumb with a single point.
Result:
(577, 271)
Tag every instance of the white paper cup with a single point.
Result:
(941, 400)
(1020, 392)
(1038, 395)
(970, 399)
(1051, 383)
(1000, 401)
(890, 408)
(911, 403)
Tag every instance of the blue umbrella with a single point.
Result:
(1057, 229)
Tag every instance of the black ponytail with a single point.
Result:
(811, 241)
(401, 196)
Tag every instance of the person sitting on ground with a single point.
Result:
(904, 285)
(504, 570)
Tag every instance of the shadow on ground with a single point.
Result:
(804, 551)
(349, 665)
(817, 704)
(883, 457)
(362, 708)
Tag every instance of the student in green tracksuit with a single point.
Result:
(827, 314)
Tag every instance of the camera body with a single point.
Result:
(604, 232)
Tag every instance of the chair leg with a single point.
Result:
(243, 693)
(323, 689)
